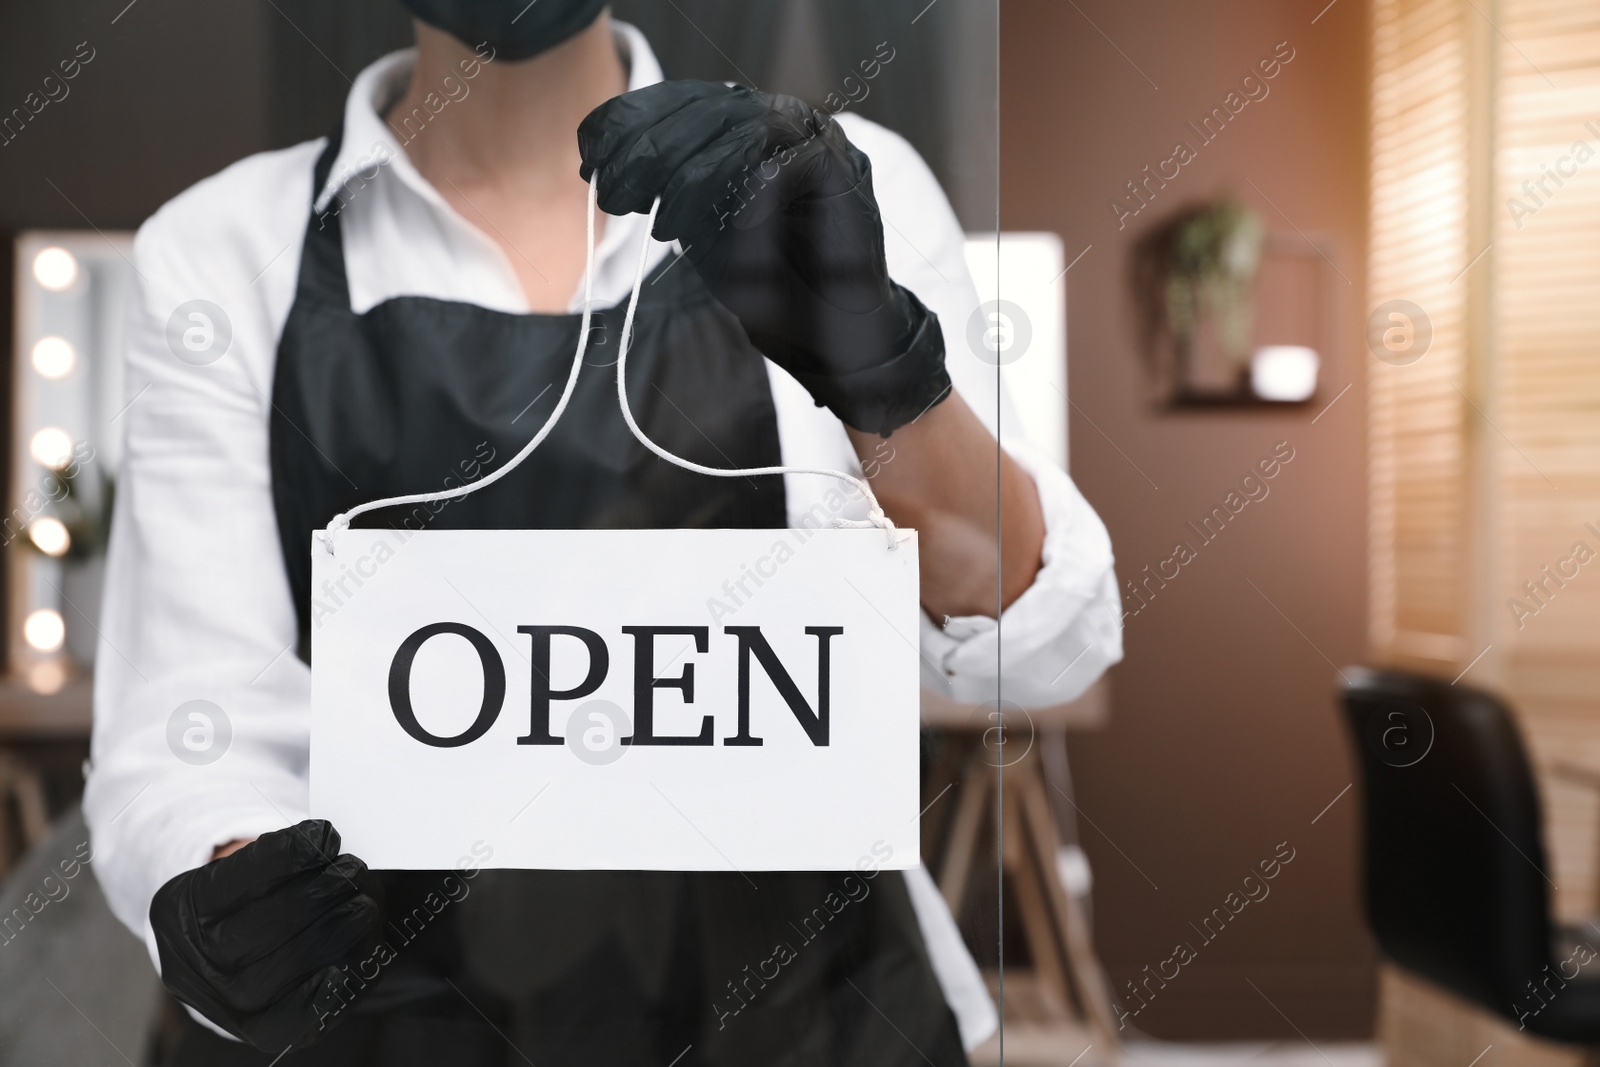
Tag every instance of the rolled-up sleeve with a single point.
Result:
(1065, 630)
(196, 606)
(1061, 634)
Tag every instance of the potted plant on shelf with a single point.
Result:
(1195, 269)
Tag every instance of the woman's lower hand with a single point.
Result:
(255, 940)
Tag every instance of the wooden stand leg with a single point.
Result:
(1072, 929)
(961, 853)
(20, 785)
(1067, 982)
(1022, 867)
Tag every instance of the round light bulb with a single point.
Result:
(51, 447)
(47, 676)
(55, 268)
(50, 536)
(54, 357)
(44, 630)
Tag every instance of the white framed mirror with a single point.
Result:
(72, 289)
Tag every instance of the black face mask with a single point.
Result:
(515, 29)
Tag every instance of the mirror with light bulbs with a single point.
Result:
(72, 289)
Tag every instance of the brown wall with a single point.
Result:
(1224, 740)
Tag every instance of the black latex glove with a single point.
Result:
(253, 941)
(774, 207)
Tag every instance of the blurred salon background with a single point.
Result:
(1327, 370)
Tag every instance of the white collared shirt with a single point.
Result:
(197, 603)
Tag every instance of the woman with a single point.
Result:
(409, 344)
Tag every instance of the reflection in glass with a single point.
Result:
(47, 676)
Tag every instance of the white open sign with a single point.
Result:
(617, 699)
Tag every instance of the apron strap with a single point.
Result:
(322, 253)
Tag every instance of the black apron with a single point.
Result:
(576, 968)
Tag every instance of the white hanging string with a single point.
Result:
(876, 516)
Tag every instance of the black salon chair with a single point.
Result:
(1456, 876)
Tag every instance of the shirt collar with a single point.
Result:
(370, 144)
